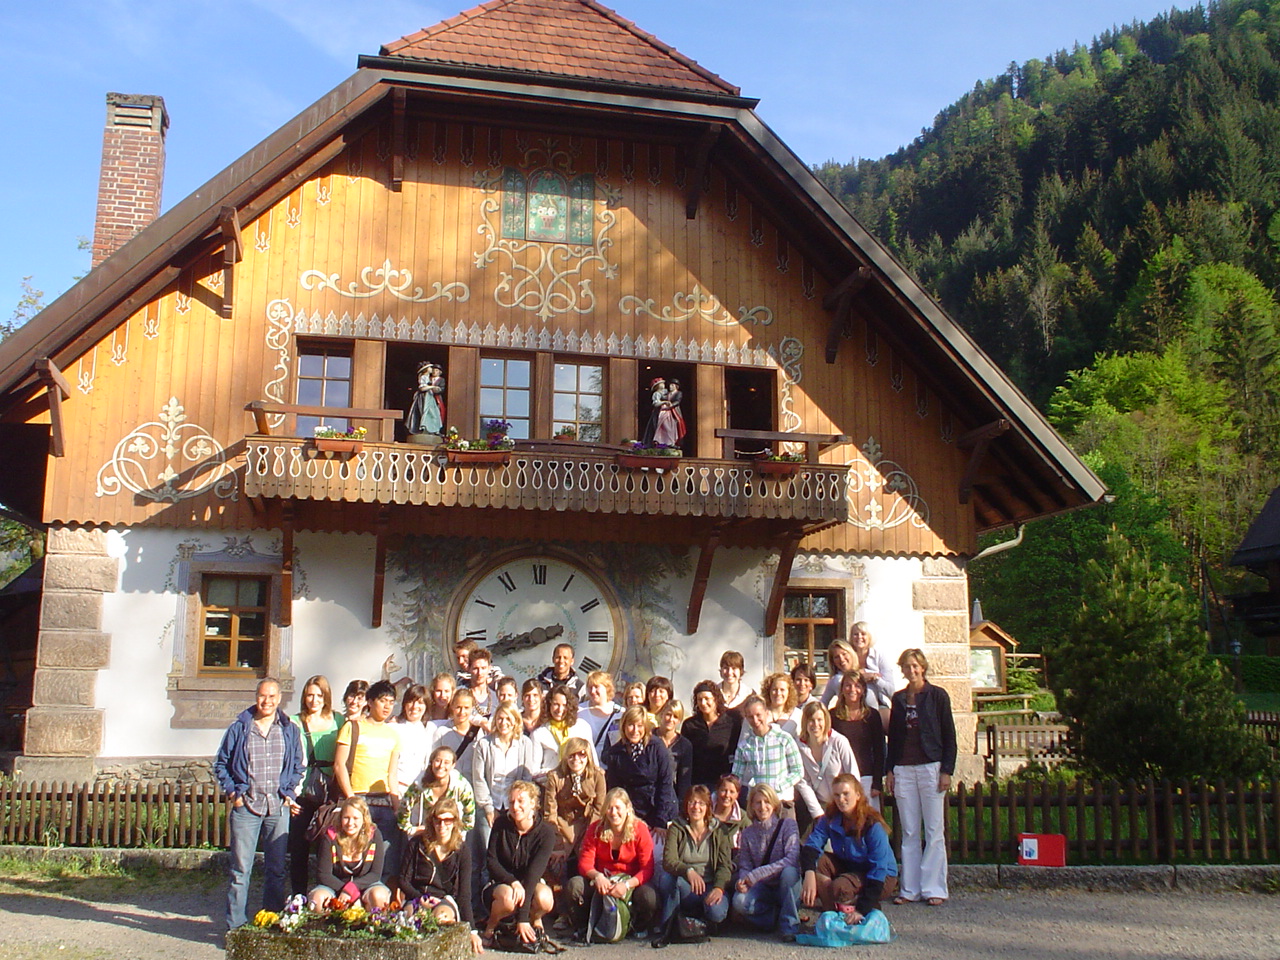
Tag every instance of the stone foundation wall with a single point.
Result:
(942, 595)
(173, 770)
(64, 728)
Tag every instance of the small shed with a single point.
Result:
(1259, 553)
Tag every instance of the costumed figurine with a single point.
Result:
(658, 391)
(425, 420)
(670, 419)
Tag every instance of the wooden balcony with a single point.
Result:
(539, 479)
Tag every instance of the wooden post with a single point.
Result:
(286, 564)
(380, 564)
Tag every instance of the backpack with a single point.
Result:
(610, 918)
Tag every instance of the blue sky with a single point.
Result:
(837, 79)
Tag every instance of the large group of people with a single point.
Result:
(513, 807)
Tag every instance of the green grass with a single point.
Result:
(93, 878)
(1262, 701)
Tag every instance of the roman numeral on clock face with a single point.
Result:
(507, 581)
(597, 636)
(485, 603)
(540, 574)
(588, 665)
(589, 606)
(478, 634)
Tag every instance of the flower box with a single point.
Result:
(638, 461)
(490, 457)
(250, 943)
(338, 445)
(778, 468)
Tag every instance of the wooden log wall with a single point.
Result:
(342, 253)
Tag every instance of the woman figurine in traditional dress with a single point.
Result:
(658, 396)
(670, 427)
(426, 414)
(674, 396)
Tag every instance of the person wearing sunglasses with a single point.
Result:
(437, 865)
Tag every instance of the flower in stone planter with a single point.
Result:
(265, 918)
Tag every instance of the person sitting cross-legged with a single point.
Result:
(860, 864)
(697, 864)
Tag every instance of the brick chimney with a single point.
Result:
(132, 170)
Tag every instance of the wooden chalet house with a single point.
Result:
(557, 209)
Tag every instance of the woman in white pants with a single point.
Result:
(921, 759)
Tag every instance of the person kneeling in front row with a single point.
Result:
(616, 860)
(520, 847)
(767, 887)
(861, 862)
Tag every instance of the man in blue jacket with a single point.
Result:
(259, 767)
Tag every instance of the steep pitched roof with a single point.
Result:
(578, 39)
(1262, 543)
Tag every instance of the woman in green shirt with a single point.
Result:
(318, 729)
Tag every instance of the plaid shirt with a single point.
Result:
(773, 759)
(266, 757)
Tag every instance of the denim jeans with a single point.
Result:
(247, 828)
(772, 902)
(675, 892)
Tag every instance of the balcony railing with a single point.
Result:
(593, 482)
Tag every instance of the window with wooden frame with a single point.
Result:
(324, 380)
(234, 624)
(577, 400)
(811, 620)
(506, 391)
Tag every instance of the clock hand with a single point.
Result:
(524, 641)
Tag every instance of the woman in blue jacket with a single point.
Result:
(861, 859)
(641, 764)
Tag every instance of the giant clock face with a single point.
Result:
(520, 609)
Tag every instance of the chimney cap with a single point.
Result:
(137, 110)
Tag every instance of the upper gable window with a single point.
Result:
(545, 206)
(324, 380)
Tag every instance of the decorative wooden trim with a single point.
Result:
(700, 577)
(380, 565)
(58, 389)
(977, 441)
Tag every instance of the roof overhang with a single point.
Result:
(952, 362)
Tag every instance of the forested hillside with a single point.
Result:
(1106, 222)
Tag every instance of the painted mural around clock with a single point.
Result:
(522, 605)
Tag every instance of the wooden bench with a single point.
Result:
(1020, 744)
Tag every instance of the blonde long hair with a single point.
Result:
(628, 831)
(353, 847)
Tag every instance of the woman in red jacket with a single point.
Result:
(616, 860)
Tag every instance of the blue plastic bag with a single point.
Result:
(832, 930)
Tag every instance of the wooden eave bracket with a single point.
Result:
(286, 564)
(380, 564)
(702, 575)
(399, 97)
(59, 389)
(232, 253)
(977, 441)
(840, 302)
(781, 577)
(697, 170)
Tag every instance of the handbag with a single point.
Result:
(318, 787)
(833, 930)
(328, 814)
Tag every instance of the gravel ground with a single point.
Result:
(161, 924)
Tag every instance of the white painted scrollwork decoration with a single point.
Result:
(696, 303)
(168, 460)
(882, 495)
(386, 279)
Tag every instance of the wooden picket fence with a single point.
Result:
(117, 815)
(1113, 822)
(1105, 822)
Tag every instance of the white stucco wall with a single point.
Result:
(331, 633)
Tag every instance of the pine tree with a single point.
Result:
(1142, 697)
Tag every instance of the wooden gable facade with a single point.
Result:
(609, 207)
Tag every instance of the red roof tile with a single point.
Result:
(565, 38)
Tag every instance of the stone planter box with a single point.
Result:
(247, 943)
